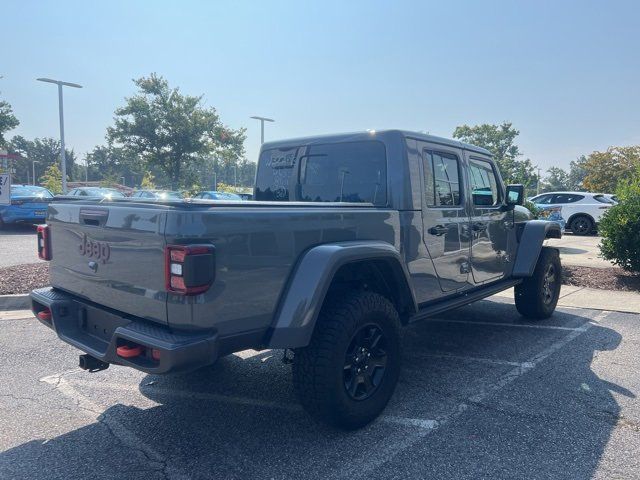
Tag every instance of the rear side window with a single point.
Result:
(566, 198)
(332, 172)
(484, 185)
(441, 179)
(344, 172)
(603, 199)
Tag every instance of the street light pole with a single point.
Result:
(33, 167)
(262, 120)
(63, 159)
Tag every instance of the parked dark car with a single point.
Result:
(214, 195)
(352, 237)
(157, 194)
(28, 204)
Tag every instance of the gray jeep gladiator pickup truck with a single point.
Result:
(350, 237)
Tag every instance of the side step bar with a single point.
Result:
(431, 309)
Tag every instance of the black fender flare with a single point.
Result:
(531, 239)
(309, 282)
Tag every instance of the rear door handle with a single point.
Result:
(438, 230)
(479, 227)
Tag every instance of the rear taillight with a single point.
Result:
(44, 242)
(189, 269)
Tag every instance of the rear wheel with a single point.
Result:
(348, 372)
(581, 225)
(537, 296)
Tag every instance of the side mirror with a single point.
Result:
(515, 195)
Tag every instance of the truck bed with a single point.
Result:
(113, 253)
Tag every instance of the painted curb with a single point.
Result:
(15, 302)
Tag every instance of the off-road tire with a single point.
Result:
(581, 225)
(319, 377)
(536, 297)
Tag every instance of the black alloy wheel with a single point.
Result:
(365, 362)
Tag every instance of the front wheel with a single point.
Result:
(537, 296)
(349, 370)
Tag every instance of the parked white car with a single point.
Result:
(581, 210)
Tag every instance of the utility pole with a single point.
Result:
(63, 159)
(262, 120)
(33, 167)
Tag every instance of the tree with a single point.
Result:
(557, 180)
(109, 162)
(45, 151)
(605, 170)
(577, 173)
(52, 179)
(148, 181)
(172, 131)
(500, 141)
(620, 226)
(8, 121)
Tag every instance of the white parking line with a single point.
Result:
(359, 468)
(362, 467)
(249, 353)
(500, 324)
(117, 429)
(16, 314)
(232, 400)
(491, 361)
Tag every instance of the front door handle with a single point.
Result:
(479, 227)
(438, 230)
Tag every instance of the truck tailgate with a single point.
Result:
(112, 255)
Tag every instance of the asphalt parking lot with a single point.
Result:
(482, 394)
(18, 245)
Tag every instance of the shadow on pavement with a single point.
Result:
(207, 438)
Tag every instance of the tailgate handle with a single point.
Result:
(93, 216)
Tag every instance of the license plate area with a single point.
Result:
(100, 324)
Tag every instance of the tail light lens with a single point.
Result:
(189, 269)
(44, 242)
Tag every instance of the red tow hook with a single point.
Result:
(126, 351)
(44, 315)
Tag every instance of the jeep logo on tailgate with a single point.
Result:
(94, 249)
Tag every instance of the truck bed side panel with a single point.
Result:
(256, 250)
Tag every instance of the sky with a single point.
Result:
(565, 73)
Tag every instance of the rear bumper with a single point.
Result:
(12, 215)
(99, 331)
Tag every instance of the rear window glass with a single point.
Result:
(333, 172)
(275, 169)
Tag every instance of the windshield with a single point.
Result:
(30, 191)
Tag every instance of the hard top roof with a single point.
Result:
(369, 135)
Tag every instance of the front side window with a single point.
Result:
(484, 184)
(441, 179)
(542, 199)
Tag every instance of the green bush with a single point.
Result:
(532, 208)
(620, 228)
